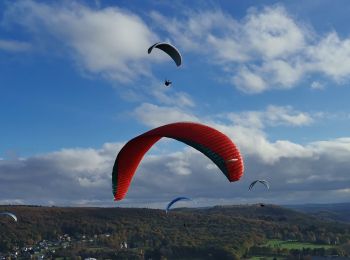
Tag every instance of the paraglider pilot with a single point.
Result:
(167, 82)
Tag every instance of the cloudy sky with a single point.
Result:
(76, 83)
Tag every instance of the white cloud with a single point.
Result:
(287, 116)
(271, 74)
(111, 42)
(338, 149)
(317, 85)
(282, 73)
(267, 49)
(227, 49)
(160, 177)
(191, 33)
(61, 176)
(179, 164)
(171, 97)
(272, 116)
(249, 81)
(273, 33)
(85, 173)
(77, 160)
(331, 56)
(317, 171)
(14, 46)
(245, 129)
(154, 116)
(254, 142)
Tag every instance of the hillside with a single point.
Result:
(336, 212)
(225, 232)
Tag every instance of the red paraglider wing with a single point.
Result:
(214, 144)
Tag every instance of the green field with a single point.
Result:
(281, 244)
(275, 243)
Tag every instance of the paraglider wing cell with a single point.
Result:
(174, 201)
(168, 49)
(214, 144)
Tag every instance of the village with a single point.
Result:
(47, 249)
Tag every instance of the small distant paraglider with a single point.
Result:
(167, 83)
(13, 216)
(264, 182)
(171, 51)
(174, 201)
(168, 49)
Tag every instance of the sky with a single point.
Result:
(76, 83)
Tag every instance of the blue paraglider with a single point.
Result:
(174, 201)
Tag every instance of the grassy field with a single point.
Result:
(275, 243)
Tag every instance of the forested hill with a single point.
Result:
(335, 211)
(225, 230)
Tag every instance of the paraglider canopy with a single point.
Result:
(168, 49)
(266, 183)
(215, 145)
(9, 214)
(174, 201)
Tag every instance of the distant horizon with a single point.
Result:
(181, 207)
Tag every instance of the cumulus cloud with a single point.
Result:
(154, 115)
(82, 177)
(14, 46)
(110, 42)
(247, 79)
(317, 85)
(246, 128)
(272, 33)
(254, 142)
(272, 116)
(267, 49)
(60, 177)
(331, 56)
(338, 148)
(166, 97)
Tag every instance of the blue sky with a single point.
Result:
(77, 84)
